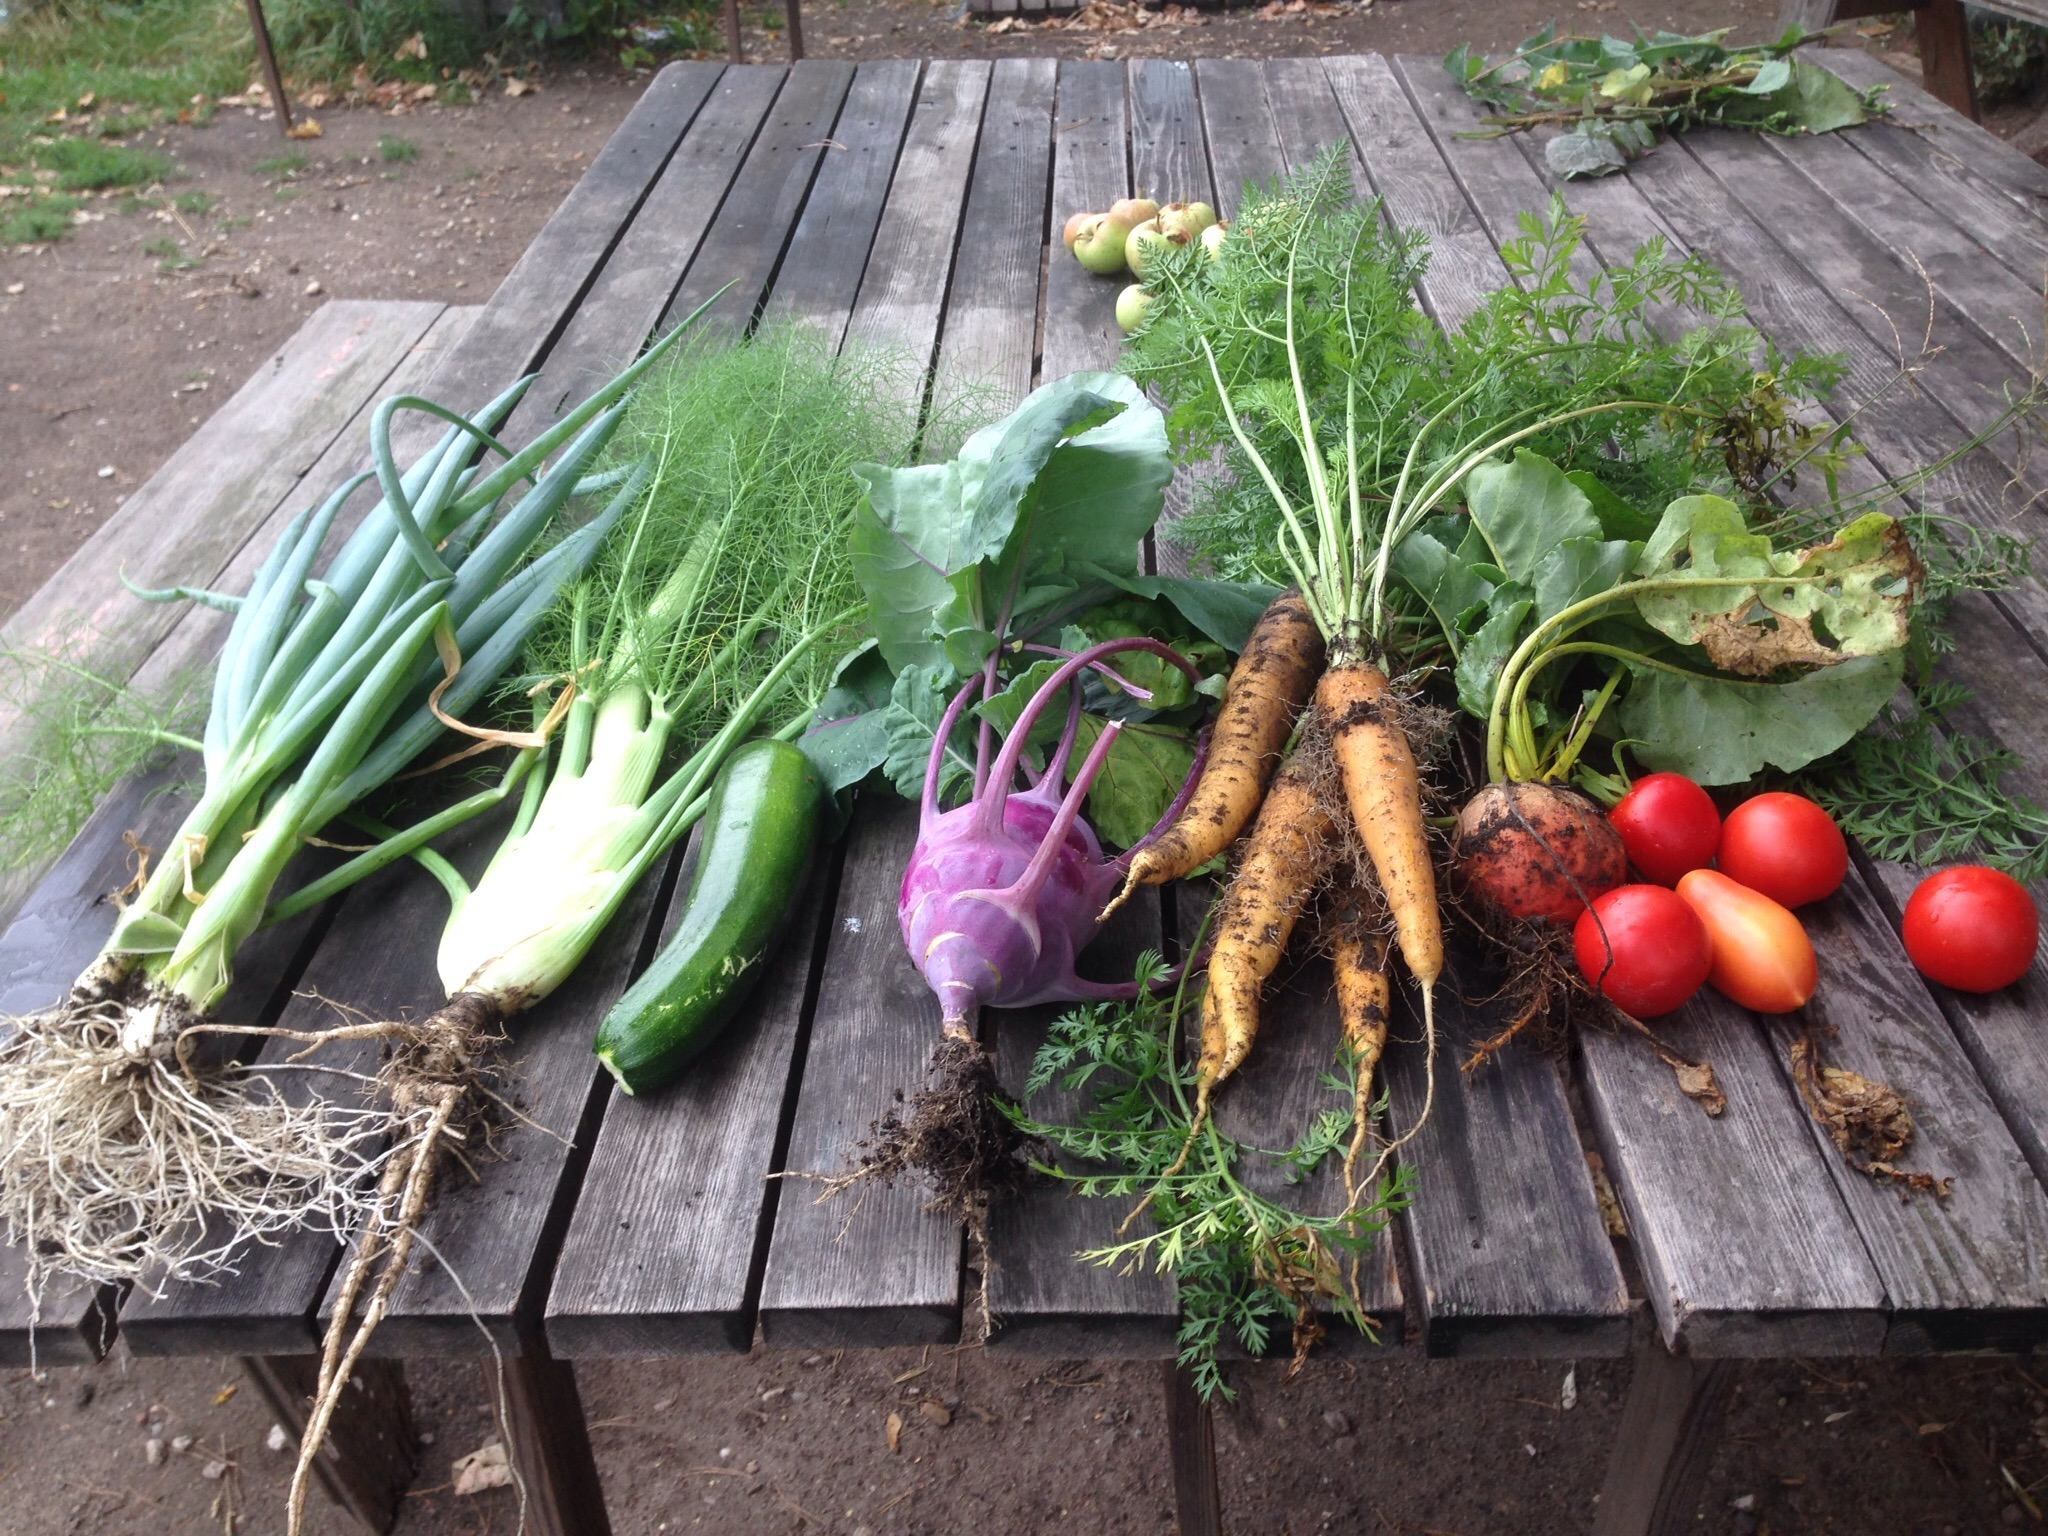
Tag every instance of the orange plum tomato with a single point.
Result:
(1971, 928)
(1785, 846)
(1762, 956)
(1643, 948)
(1670, 826)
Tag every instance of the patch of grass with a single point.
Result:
(86, 165)
(238, 221)
(284, 194)
(142, 60)
(44, 218)
(170, 255)
(290, 163)
(391, 147)
(194, 202)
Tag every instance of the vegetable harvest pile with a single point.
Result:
(1540, 654)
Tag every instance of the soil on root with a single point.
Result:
(953, 1135)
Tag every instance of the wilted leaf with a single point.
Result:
(892, 1431)
(304, 128)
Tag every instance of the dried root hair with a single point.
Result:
(137, 1166)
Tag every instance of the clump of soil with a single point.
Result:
(952, 1134)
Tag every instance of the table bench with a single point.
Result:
(912, 204)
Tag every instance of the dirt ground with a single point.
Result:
(117, 342)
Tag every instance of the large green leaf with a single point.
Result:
(1480, 663)
(1225, 611)
(1443, 578)
(1139, 778)
(1725, 731)
(916, 705)
(1072, 478)
(1578, 569)
(849, 735)
(1526, 508)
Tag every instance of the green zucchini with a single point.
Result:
(760, 839)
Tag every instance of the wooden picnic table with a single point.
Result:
(913, 204)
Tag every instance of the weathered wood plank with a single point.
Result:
(1967, 1270)
(1244, 143)
(665, 1250)
(1911, 145)
(1409, 176)
(528, 311)
(820, 276)
(643, 270)
(753, 227)
(367, 1461)
(1169, 156)
(1968, 148)
(991, 324)
(1089, 173)
(2001, 1031)
(871, 1266)
(2000, 304)
(1505, 1241)
(1967, 378)
(1744, 1244)
(903, 291)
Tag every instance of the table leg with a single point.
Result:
(370, 1455)
(1944, 33)
(1191, 1437)
(1670, 1424)
(796, 30)
(548, 1443)
(732, 31)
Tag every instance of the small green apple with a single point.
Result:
(1100, 244)
(1132, 305)
(1134, 210)
(1187, 220)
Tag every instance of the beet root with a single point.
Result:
(1536, 851)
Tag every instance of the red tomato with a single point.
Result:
(1643, 948)
(1971, 928)
(1762, 957)
(1669, 824)
(1785, 846)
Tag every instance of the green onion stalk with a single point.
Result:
(124, 1156)
(717, 610)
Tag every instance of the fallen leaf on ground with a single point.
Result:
(520, 87)
(892, 1431)
(304, 128)
(231, 1388)
(485, 1467)
(414, 47)
(938, 1413)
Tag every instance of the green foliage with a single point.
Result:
(1917, 789)
(1616, 93)
(170, 256)
(43, 218)
(142, 61)
(194, 202)
(86, 165)
(738, 547)
(2007, 56)
(393, 149)
(86, 733)
(1247, 1266)
(329, 39)
(284, 166)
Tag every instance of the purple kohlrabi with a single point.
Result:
(1004, 892)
